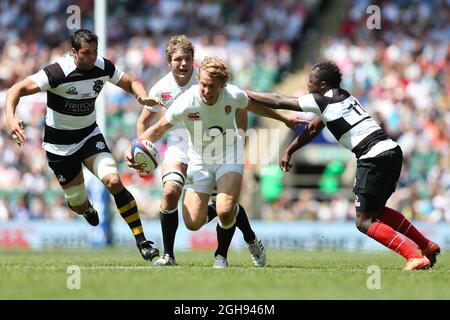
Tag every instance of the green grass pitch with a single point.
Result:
(289, 275)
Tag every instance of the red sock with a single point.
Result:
(391, 239)
(398, 222)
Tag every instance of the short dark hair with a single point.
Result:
(82, 35)
(328, 72)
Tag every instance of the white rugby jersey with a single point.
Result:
(167, 89)
(354, 128)
(71, 93)
(205, 124)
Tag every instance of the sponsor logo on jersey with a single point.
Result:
(61, 178)
(227, 109)
(193, 116)
(86, 95)
(100, 145)
(72, 91)
(166, 95)
(80, 108)
(98, 85)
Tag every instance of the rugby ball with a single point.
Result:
(145, 154)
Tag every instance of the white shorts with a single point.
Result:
(177, 150)
(203, 177)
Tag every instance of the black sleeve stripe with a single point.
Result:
(339, 95)
(55, 74)
(110, 68)
(321, 101)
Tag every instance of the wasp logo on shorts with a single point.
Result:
(100, 145)
(193, 116)
(227, 109)
(98, 85)
(61, 178)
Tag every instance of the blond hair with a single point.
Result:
(215, 68)
(179, 42)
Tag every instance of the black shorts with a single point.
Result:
(66, 168)
(376, 179)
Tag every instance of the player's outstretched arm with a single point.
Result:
(242, 123)
(146, 118)
(291, 121)
(274, 100)
(15, 125)
(155, 132)
(137, 89)
(311, 131)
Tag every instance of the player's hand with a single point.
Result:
(285, 163)
(150, 101)
(292, 121)
(129, 160)
(17, 131)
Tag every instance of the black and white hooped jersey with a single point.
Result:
(71, 93)
(354, 128)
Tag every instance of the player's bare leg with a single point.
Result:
(195, 209)
(104, 167)
(78, 201)
(78, 180)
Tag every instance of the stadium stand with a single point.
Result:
(400, 73)
(257, 42)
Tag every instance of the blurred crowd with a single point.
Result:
(255, 37)
(401, 75)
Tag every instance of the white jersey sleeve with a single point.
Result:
(239, 95)
(175, 113)
(41, 79)
(114, 73)
(308, 104)
(118, 74)
(154, 92)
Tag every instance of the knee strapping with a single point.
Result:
(104, 164)
(76, 195)
(176, 177)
